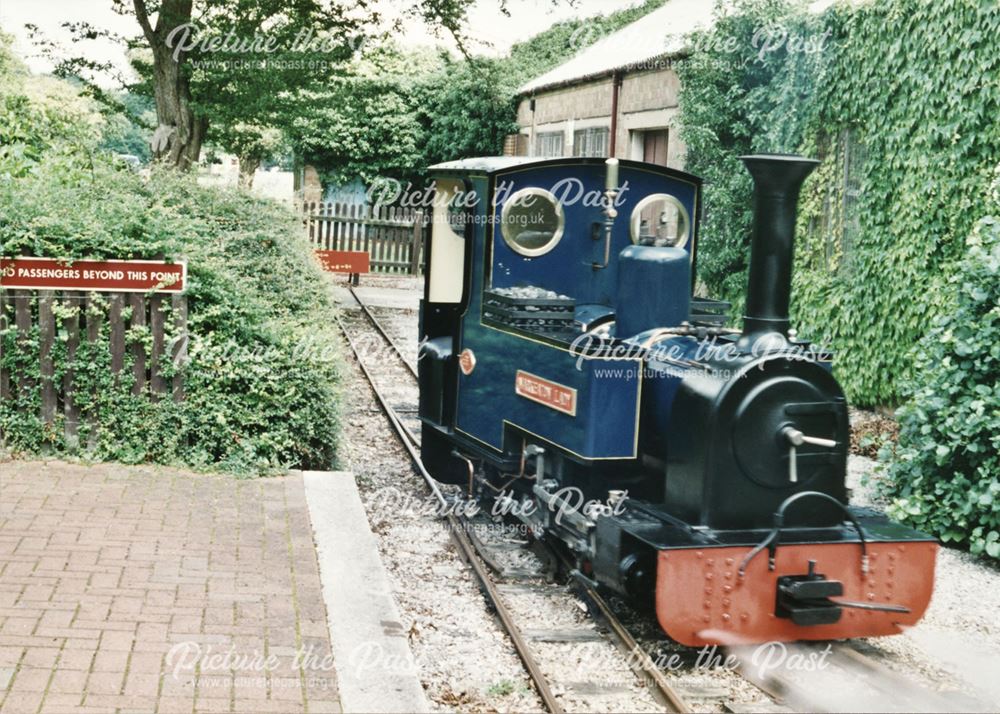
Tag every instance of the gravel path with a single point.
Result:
(591, 675)
(957, 644)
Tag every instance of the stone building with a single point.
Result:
(618, 97)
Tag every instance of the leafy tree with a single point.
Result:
(127, 131)
(9, 64)
(734, 100)
(236, 63)
(466, 109)
(229, 63)
(42, 115)
(251, 143)
(371, 132)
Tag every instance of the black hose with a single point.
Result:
(771, 540)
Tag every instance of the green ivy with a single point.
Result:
(944, 474)
(909, 304)
(919, 83)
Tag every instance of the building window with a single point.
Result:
(591, 142)
(839, 224)
(515, 145)
(549, 143)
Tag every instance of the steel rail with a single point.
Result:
(471, 552)
(461, 539)
(382, 331)
(643, 662)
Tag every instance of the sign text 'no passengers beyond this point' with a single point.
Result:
(123, 276)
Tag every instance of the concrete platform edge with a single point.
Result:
(375, 668)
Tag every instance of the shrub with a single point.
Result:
(944, 475)
(260, 381)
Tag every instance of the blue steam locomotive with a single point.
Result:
(570, 376)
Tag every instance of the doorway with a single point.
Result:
(654, 146)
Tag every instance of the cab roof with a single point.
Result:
(490, 165)
(485, 164)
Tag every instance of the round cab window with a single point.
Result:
(532, 221)
(660, 220)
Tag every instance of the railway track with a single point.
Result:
(502, 585)
(495, 587)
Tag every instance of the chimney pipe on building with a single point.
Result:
(777, 181)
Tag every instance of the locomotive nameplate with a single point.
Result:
(555, 396)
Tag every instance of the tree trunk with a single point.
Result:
(180, 132)
(248, 167)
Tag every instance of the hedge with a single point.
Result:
(261, 379)
(944, 474)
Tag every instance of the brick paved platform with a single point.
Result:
(148, 589)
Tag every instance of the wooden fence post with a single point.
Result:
(71, 411)
(351, 228)
(94, 320)
(157, 384)
(46, 368)
(4, 324)
(117, 323)
(417, 244)
(138, 348)
(178, 304)
(22, 319)
(378, 237)
(310, 221)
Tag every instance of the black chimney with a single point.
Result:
(777, 180)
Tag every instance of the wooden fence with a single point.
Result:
(392, 236)
(116, 322)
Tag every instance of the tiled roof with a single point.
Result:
(659, 34)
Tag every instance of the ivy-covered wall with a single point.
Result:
(917, 84)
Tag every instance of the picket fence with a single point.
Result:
(392, 236)
(32, 314)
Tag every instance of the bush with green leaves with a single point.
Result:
(944, 474)
(43, 115)
(261, 375)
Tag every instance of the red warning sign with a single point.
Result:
(344, 261)
(121, 276)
